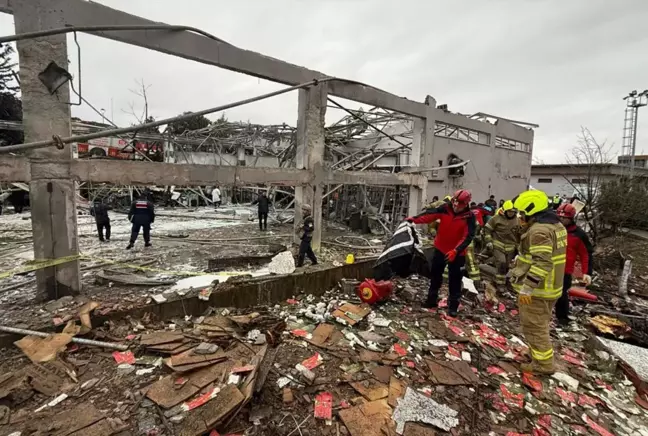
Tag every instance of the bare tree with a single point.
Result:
(589, 159)
(140, 91)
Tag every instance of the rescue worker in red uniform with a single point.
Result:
(578, 247)
(455, 233)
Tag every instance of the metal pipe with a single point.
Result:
(68, 29)
(81, 341)
(123, 130)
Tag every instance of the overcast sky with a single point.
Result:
(559, 64)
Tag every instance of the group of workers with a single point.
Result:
(544, 242)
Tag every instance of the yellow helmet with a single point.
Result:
(531, 202)
(508, 205)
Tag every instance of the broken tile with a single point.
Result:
(416, 407)
(456, 372)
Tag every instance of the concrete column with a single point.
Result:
(310, 155)
(421, 155)
(52, 194)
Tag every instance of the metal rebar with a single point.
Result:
(82, 341)
(113, 28)
(123, 130)
(366, 122)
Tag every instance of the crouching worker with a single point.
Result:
(307, 228)
(455, 232)
(142, 215)
(538, 275)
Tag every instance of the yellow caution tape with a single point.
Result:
(39, 264)
(46, 263)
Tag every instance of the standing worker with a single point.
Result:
(578, 247)
(501, 235)
(491, 202)
(456, 231)
(307, 227)
(216, 197)
(263, 206)
(538, 275)
(555, 201)
(142, 215)
(100, 212)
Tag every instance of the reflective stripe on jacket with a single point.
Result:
(541, 262)
(502, 232)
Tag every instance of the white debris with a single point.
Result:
(307, 373)
(469, 285)
(197, 282)
(438, 342)
(52, 403)
(233, 379)
(159, 298)
(145, 371)
(465, 356)
(282, 263)
(283, 381)
(416, 407)
(567, 380)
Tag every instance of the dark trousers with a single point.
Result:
(455, 276)
(263, 220)
(305, 249)
(562, 305)
(100, 230)
(146, 228)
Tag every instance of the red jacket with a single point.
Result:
(479, 215)
(455, 231)
(578, 247)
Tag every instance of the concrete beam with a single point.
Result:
(18, 169)
(209, 51)
(52, 194)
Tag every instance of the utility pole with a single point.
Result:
(634, 101)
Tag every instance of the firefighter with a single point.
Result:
(538, 275)
(555, 201)
(472, 268)
(501, 235)
(455, 233)
(307, 227)
(578, 247)
(142, 215)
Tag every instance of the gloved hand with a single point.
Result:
(451, 255)
(587, 279)
(525, 295)
(489, 246)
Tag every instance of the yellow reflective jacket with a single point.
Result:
(432, 227)
(502, 232)
(540, 263)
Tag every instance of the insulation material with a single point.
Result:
(416, 407)
(635, 357)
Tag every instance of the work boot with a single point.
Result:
(148, 244)
(535, 368)
(429, 304)
(129, 246)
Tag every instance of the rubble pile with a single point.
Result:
(328, 365)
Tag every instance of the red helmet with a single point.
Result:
(462, 197)
(566, 211)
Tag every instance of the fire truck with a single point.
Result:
(118, 148)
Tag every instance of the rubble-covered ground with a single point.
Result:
(183, 242)
(325, 365)
(310, 365)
